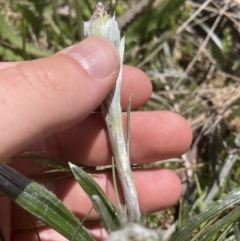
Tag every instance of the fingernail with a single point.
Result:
(96, 56)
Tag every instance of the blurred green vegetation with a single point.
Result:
(189, 49)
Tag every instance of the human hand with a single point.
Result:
(47, 104)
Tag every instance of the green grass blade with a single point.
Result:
(42, 203)
(223, 174)
(166, 10)
(223, 234)
(206, 215)
(79, 18)
(103, 206)
(236, 231)
(223, 223)
(103, 210)
(7, 34)
(9, 55)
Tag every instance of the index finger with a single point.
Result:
(135, 83)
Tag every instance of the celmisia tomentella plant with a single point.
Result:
(101, 24)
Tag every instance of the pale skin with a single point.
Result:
(47, 104)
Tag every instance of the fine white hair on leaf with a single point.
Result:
(134, 232)
(111, 31)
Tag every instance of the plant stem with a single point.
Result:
(112, 113)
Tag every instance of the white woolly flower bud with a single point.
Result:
(134, 232)
(101, 24)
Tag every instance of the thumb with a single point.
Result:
(41, 97)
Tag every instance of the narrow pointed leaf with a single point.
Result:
(208, 214)
(39, 201)
(223, 223)
(103, 206)
(107, 218)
